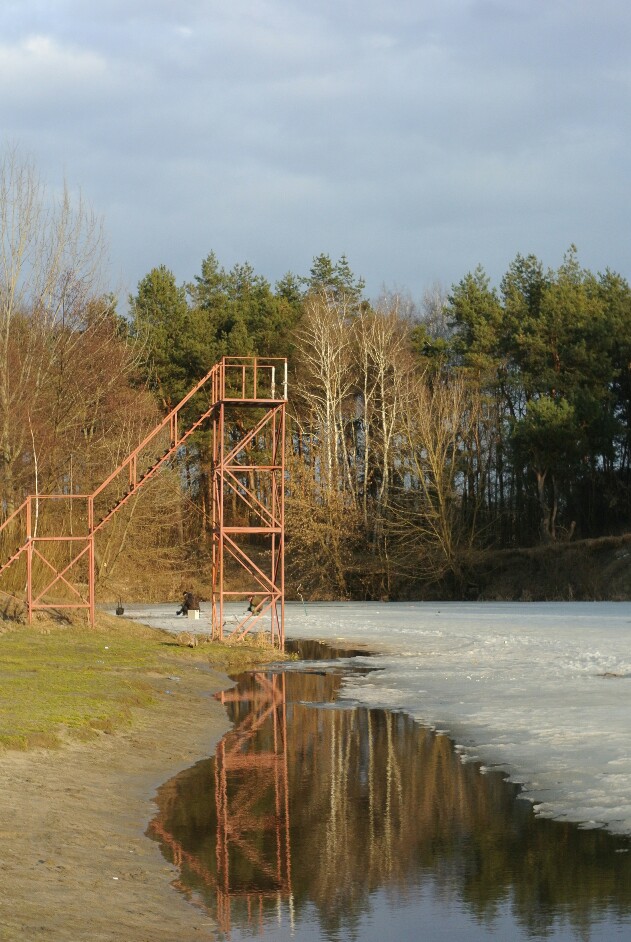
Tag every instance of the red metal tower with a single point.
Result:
(245, 399)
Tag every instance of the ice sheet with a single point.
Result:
(541, 690)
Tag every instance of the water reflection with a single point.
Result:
(320, 822)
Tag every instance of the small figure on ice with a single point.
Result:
(253, 606)
(190, 603)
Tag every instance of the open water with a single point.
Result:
(322, 817)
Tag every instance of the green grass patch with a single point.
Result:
(70, 682)
(81, 682)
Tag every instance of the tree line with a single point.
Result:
(420, 433)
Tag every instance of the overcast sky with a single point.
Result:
(418, 137)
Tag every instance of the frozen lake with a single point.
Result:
(539, 690)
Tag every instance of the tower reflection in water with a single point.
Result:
(312, 812)
(225, 822)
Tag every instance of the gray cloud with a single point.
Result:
(419, 139)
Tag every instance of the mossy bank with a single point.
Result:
(62, 681)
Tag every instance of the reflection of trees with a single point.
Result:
(376, 801)
(386, 800)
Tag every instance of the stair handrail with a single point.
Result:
(169, 419)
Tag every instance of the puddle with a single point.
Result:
(317, 823)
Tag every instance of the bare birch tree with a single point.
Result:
(322, 518)
(353, 379)
(430, 527)
(51, 252)
(384, 368)
(325, 381)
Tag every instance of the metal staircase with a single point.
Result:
(244, 400)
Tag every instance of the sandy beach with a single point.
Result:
(75, 863)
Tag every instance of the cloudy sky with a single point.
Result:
(418, 137)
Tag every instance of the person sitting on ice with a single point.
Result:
(253, 606)
(190, 603)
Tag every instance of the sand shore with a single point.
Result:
(75, 864)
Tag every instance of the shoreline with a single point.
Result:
(76, 863)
